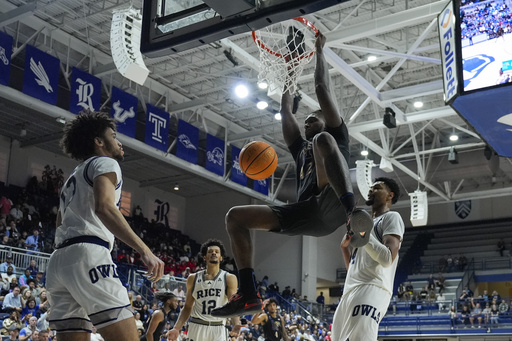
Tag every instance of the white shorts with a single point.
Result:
(84, 289)
(359, 313)
(199, 332)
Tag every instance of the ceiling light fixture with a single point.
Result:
(241, 91)
(277, 116)
(372, 58)
(364, 152)
(454, 137)
(176, 187)
(262, 105)
(418, 104)
(262, 85)
(61, 120)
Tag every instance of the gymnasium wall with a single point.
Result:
(480, 209)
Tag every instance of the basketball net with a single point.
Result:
(285, 49)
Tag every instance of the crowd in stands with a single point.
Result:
(490, 18)
(24, 303)
(483, 311)
(27, 221)
(449, 263)
(468, 311)
(432, 292)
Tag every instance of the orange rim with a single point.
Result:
(302, 20)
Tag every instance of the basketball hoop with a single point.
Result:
(285, 49)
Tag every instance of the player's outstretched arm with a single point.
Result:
(185, 312)
(330, 113)
(112, 218)
(289, 123)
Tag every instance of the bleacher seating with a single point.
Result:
(451, 283)
(477, 241)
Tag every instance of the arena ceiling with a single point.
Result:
(196, 86)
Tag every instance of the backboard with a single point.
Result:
(171, 26)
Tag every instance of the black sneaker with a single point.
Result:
(240, 304)
(359, 227)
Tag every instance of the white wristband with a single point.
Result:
(379, 252)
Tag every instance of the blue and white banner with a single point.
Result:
(5, 57)
(157, 128)
(261, 185)
(187, 142)
(85, 92)
(236, 172)
(41, 78)
(215, 155)
(124, 111)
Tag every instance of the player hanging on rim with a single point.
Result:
(371, 268)
(82, 281)
(207, 289)
(325, 195)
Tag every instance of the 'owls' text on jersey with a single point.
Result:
(208, 295)
(77, 201)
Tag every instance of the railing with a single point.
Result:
(479, 265)
(21, 258)
(133, 278)
(311, 311)
(420, 307)
(401, 317)
(130, 275)
(468, 279)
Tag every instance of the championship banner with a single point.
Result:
(187, 142)
(236, 172)
(41, 79)
(261, 186)
(5, 57)
(85, 92)
(215, 155)
(123, 110)
(157, 128)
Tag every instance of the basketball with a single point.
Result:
(258, 160)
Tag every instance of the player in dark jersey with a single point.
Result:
(273, 325)
(167, 313)
(324, 188)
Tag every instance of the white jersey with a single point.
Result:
(208, 295)
(77, 201)
(363, 269)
